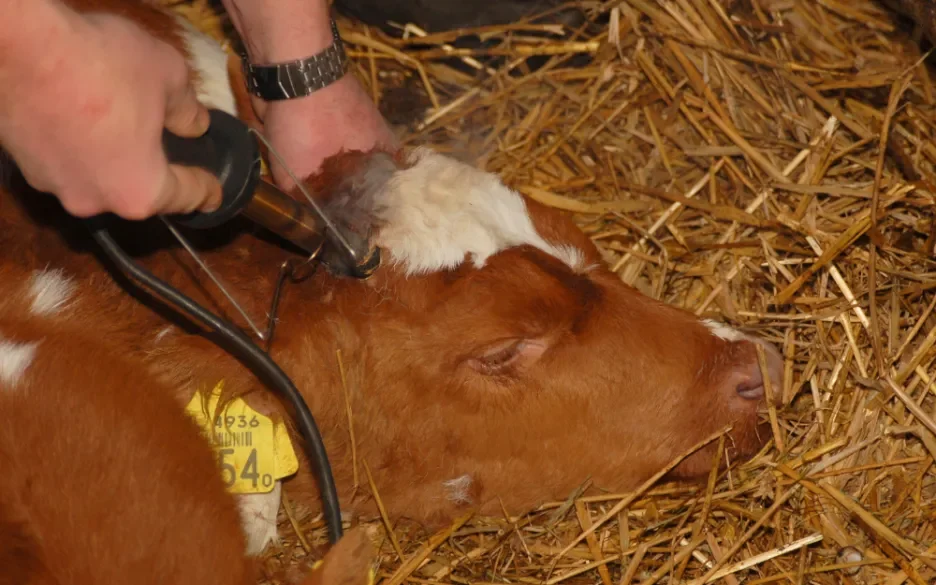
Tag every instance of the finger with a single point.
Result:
(185, 115)
(80, 204)
(188, 189)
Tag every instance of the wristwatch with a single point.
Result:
(293, 79)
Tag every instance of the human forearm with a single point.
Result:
(281, 30)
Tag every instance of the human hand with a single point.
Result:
(307, 130)
(83, 116)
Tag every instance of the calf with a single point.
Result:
(104, 479)
(493, 358)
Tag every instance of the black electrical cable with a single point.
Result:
(255, 356)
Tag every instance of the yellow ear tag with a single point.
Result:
(253, 452)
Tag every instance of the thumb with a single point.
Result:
(185, 115)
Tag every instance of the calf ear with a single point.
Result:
(507, 356)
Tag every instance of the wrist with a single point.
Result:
(283, 66)
(276, 31)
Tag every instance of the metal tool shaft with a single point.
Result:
(286, 217)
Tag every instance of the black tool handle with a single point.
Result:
(230, 153)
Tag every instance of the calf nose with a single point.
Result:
(751, 386)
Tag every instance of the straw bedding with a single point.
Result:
(767, 162)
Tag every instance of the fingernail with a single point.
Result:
(212, 204)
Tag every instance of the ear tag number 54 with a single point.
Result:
(253, 452)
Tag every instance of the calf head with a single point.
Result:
(495, 358)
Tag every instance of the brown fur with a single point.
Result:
(106, 480)
(624, 384)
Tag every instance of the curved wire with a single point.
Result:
(254, 356)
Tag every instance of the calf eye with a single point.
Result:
(506, 356)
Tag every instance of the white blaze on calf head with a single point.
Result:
(439, 210)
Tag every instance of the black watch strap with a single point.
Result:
(293, 79)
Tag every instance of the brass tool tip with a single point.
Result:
(369, 264)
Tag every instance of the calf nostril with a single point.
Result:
(774, 366)
(747, 379)
(751, 389)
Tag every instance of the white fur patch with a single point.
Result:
(50, 290)
(258, 517)
(15, 359)
(210, 62)
(723, 331)
(456, 490)
(440, 210)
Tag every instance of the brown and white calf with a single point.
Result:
(492, 359)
